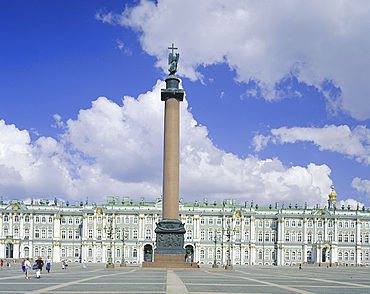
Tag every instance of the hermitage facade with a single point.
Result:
(247, 234)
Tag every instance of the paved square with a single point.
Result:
(97, 279)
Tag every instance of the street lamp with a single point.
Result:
(110, 231)
(124, 238)
(215, 260)
(229, 233)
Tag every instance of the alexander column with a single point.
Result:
(170, 230)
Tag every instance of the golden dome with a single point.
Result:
(332, 195)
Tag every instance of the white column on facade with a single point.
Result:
(280, 241)
(252, 247)
(358, 242)
(304, 239)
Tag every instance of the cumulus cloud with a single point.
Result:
(362, 186)
(351, 202)
(112, 149)
(354, 143)
(319, 43)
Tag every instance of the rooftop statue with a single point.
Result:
(173, 60)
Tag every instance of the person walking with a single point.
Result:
(48, 264)
(27, 265)
(23, 266)
(40, 264)
(1, 263)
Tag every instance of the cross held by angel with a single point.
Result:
(173, 59)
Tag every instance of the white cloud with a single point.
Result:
(362, 186)
(117, 150)
(353, 143)
(264, 41)
(351, 202)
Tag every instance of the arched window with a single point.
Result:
(260, 254)
(89, 252)
(340, 256)
(134, 253)
(202, 255)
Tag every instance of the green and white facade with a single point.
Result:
(259, 235)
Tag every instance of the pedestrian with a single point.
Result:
(63, 264)
(23, 266)
(48, 264)
(186, 258)
(1, 263)
(84, 264)
(27, 266)
(9, 265)
(40, 264)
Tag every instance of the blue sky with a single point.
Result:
(277, 106)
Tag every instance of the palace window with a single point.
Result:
(299, 255)
(218, 254)
(134, 253)
(50, 219)
(287, 255)
(43, 219)
(345, 255)
(267, 237)
(77, 253)
(37, 233)
(346, 224)
(37, 219)
(366, 238)
(6, 218)
(330, 237)
(27, 218)
(309, 223)
(340, 224)
(287, 223)
(340, 256)
(189, 235)
(50, 233)
(49, 251)
(319, 223)
(202, 221)
(273, 224)
(98, 234)
(99, 219)
(16, 218)
(148, 234)
(246, 221)
(148, 219)
(89, 252)
(346, 237)
(352, 256)
(299, 223)
(246, 254)
(118, 219)
(267, 224)
(299, 237)
(37, 251)
(319, 236)
(43, 233)
(77, 221)
(260, 254)
(201, 235)
(260, 237)
(77, 234)
(352, 238)
(293, 236)
(70, 234)
(127, 219)
(189, 220)
(136, 219)
(210, 253)
(210, 221)
(219, 221)
(16, 232)
(246, 236)
(202, 254)
(293, 223)
(352, 224)
(273, 237)
(90, 234)
(210, 235)
(260, 224)
(89, 219)
(63, 221)
(70, 220)
(134, 234)
(118, 252)
(287, 235)
(26, 232)
(63, 252)
(340, 237)
(330, 223)
(366, 225)
(309, 237)
(293, 255)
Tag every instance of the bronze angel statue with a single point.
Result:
(172, 61)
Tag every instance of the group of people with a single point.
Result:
(8, 264)
(39, 263)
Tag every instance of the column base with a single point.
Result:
(110, 265)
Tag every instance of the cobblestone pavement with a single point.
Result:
(97, 279)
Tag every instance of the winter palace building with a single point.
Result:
(274, 235)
